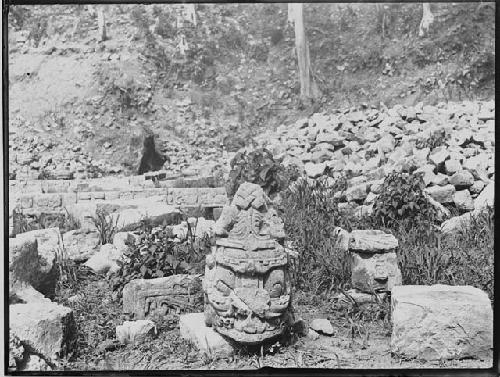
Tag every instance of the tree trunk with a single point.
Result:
(427, 19)
(101, 22)
(190, 10)
(307, 87)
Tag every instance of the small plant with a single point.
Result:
(158, 255)
(437, 139)
(106, 225)
(261, 168)
(402, 198)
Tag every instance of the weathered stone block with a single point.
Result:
(23, 260)
(81, 244)
(463, 201)
(375, 272)
(357, 193)
(441, 194)
(462, 179)
(486, 198)
(48, 329)
(372, 241)
(135, 331)
(441, 322)
(147, 297)
(193, 328)
(48, 200)
(182, 196)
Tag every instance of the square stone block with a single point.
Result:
(441, 322)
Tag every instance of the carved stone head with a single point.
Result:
(247, 286)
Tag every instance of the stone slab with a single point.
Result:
(441, 322)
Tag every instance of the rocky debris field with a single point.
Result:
(453, 145)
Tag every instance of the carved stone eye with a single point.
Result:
(275, 283)
(276, 290)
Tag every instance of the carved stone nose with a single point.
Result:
(258, 300)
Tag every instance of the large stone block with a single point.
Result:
(147, 297)
(44, 327)
(486, 198)
(193, 328)
(375, 272)
(441, 322)
(23, 260)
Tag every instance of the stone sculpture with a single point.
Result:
(247, 285)
(146, 298)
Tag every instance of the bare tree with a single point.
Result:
(101, 22)
(308, 88)
(427, 19)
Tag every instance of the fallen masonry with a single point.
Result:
(441, 322)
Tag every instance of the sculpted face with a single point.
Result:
(247, 286)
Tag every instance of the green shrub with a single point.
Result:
(402, 198)
(158, 255)
(261, 168)
(310, 213)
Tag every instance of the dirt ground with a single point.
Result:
(356, 344)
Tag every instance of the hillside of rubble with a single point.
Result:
(81, 108)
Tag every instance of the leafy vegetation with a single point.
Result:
(158, 255)
(402, 199)
(259, 167)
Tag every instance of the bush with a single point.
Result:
(310, 213)
(157, 255)
(402, 199)
(261, 168)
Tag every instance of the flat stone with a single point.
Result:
(135, 331)
(81, 244)
(486, 198)
(180, 290)
(463, 200)
(372, 241)
(441, 194)
(192, 328)
(375, 272)
(312, 335)
(48, 328)
(462, 179)
(322, 326)
(441, 322)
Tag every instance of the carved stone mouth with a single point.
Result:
(246, 338)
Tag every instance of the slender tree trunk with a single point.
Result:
(101, 22)
(191, 13)
(427, 19)
(301, 46)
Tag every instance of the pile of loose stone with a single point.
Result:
(451, 144)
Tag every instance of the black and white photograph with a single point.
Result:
(248, 186)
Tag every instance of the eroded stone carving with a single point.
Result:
(247, 285)
(146, 298)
